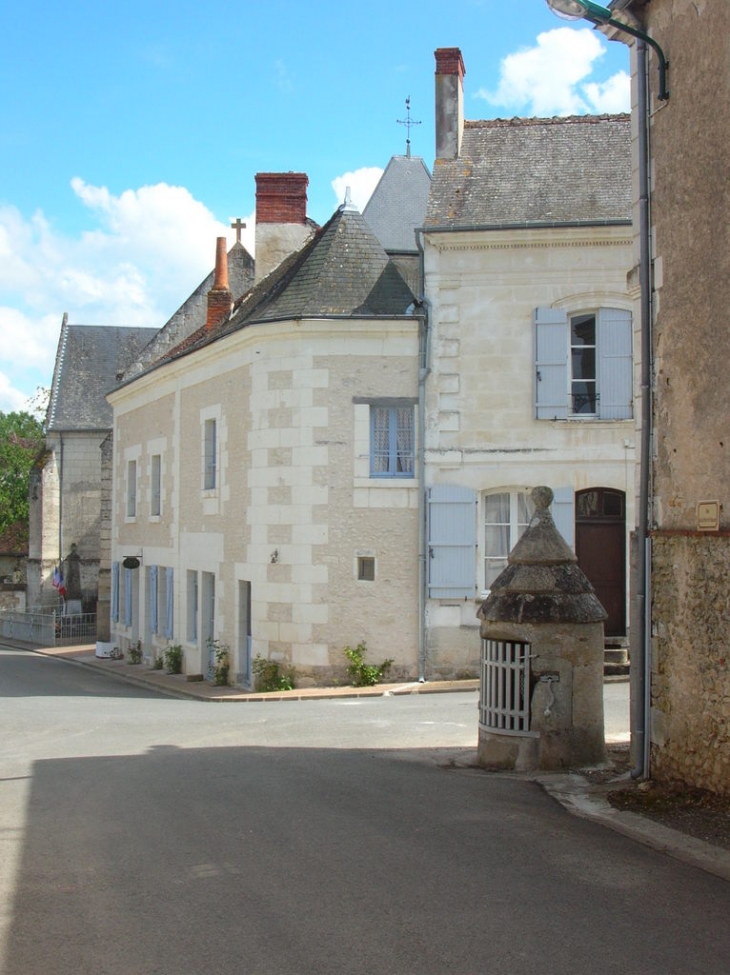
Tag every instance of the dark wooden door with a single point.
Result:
(600, 545)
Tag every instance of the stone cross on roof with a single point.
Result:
(238, 225)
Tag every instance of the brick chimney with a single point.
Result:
(281, 218)
(450, 73)
(220, 299)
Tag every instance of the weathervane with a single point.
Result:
(408, 122)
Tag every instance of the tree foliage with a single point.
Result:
(21, 438)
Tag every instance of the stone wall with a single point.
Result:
(691, 660)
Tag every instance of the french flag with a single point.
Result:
(58, 582)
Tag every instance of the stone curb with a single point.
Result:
(588, 802)
(178, 686)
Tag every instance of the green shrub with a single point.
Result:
(222, 665)
(135, 653)
(360, 673)
(174, 659)
(269, 677)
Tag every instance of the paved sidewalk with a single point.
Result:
(178, 685)
(574, 792)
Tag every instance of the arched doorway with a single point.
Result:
(600, 545)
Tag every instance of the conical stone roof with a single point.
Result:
(542, 582)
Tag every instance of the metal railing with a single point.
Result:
(48, 629)
(504, 703)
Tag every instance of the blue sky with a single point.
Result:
(130, 135)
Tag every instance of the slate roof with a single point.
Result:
(398, 203)
(191, 315)
(341, 272)
(89, 360)
(528, 171)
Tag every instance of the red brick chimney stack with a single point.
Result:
(282, 226)
(281, 197)
(450, 73)
(220, 299)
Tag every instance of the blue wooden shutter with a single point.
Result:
(451, 542)
(169, 575)
(615, 364)
(153, 599)
(115, 591)
(563, 512)
(551, 364)
(128, 597)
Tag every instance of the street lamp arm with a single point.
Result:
(663, 63)
(596, 14)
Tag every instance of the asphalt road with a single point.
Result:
(143, 834)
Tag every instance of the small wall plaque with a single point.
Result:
(708, 516)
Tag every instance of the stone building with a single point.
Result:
(264, 470)
(527, 243)
(66, 494)
(687, 476)
(65, 484)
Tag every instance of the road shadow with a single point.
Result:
(291, 861)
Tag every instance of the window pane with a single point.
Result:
(583, 330)
(584, 397)
(496, 540)
(381, 440)
(404, 440)
(492, 570)
(584, 363)
(496, 508)
(525, 511)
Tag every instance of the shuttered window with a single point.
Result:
(115, 592)
(451, 542)
(153, 598)
(169, 602)
(583, 364)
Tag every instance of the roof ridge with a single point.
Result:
(520, 120)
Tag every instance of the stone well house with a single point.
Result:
(526, 244)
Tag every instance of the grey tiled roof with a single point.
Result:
(340, 272)
(89, 360)
(398, 203)
(531, 171)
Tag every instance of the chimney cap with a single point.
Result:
(449, 61)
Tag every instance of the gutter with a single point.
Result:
(521, 225)
(641, 700)
(424, 369)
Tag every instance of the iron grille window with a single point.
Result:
(505, 686)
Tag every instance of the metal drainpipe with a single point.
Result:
(424, 368)
(641, 706)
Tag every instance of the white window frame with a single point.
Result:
(395, 410)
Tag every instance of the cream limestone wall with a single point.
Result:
(481, 432)
(293, 505)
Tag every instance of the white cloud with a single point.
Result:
(148, 249)
(610, 96)
(551, 77)
(361, 183)
(11, 399)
